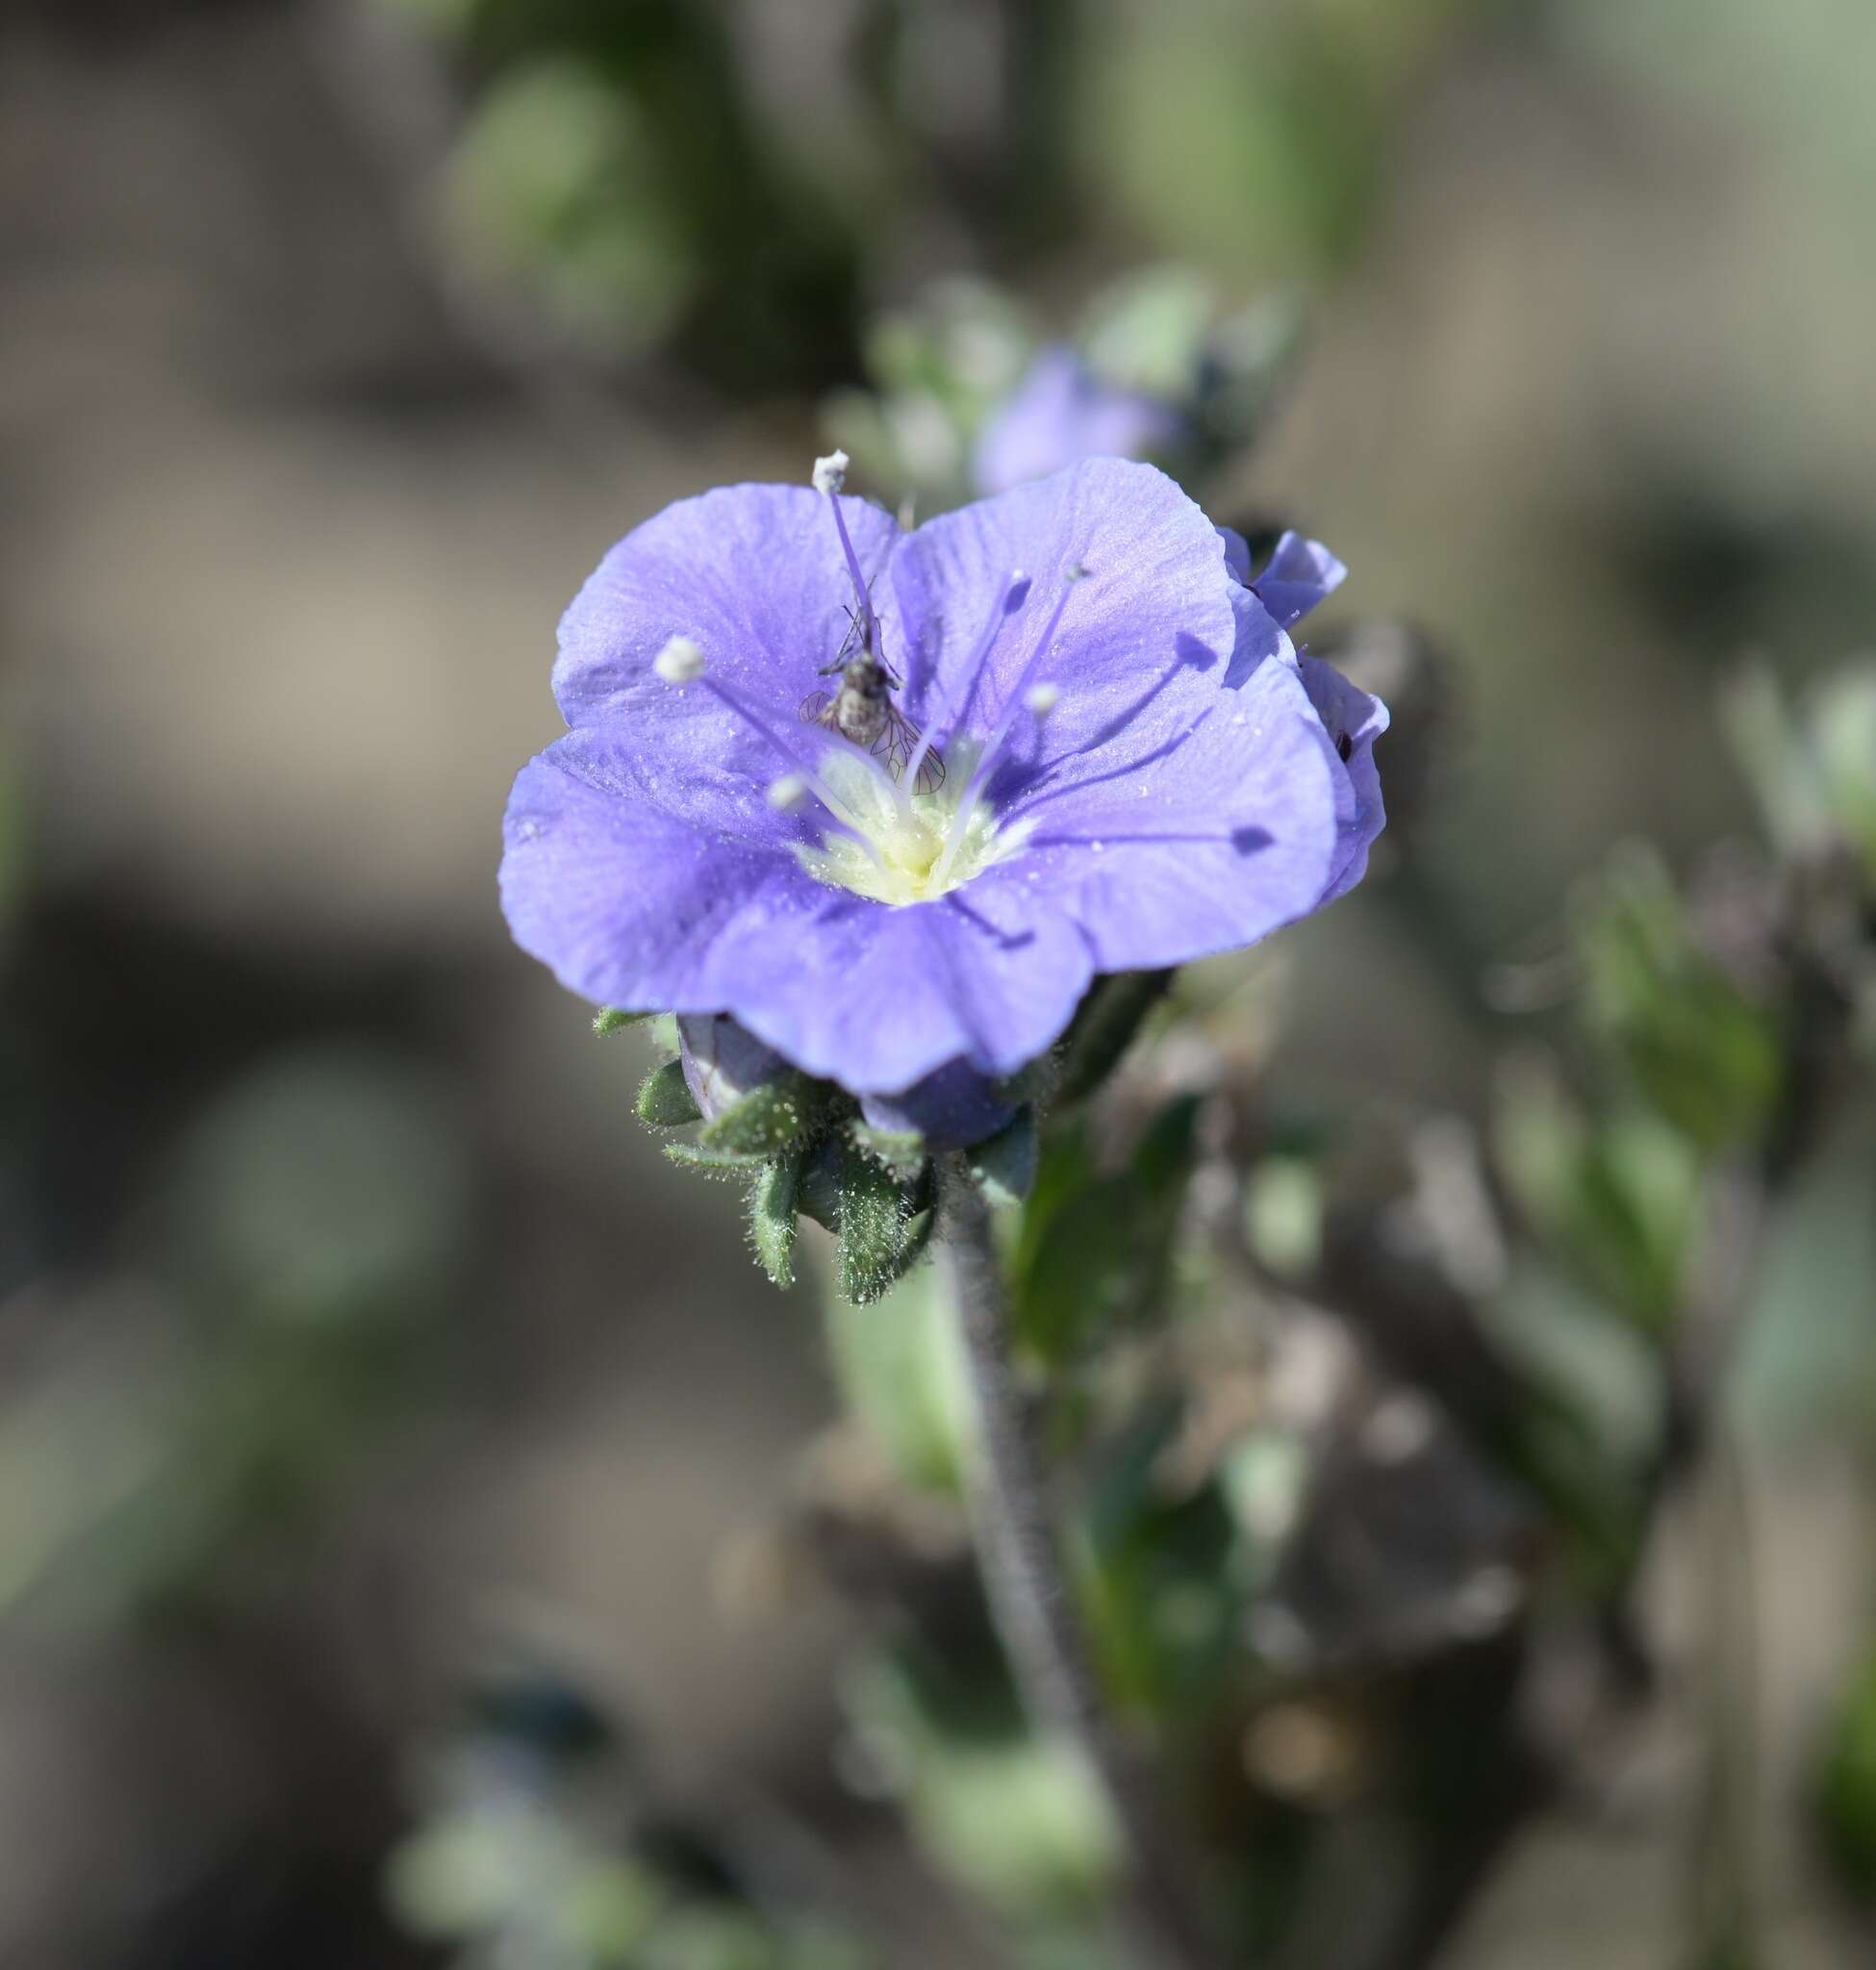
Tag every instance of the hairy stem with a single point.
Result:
(1033, 1606)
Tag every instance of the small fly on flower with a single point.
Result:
(862, 709)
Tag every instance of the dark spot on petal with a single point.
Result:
(1192, 653)
(1247, 841)
(1344, 746)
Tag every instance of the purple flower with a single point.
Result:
(1062, 411)
(1136, 773)
(1299, 575)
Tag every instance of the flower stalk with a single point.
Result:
(1033, 1605)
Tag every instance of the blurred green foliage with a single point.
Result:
(736, 187)
(1691, 1042)
(308, 1239)
(613, 166)
(1096, 1247)
(1846, 1787)
(1358, 1473)
(1010, 1817)
(898, 1367)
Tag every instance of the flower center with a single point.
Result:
(907, 850)
(882, 838)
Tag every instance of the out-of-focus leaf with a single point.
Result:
(1284, 1214)
(1614, 1198)
(901, 1372)
(332, 1183)
(1805, 1365)
(1097, 1248)
(938, 367)
(1840, 722)
(1005, 1167)
(1758, 724)
(1159, 1585)
(1846, 1791)
(558, 177)
(1105, 1027)
(1148, 331)
(1011, 1818)
(1694, 1044)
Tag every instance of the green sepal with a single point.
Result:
(902, 1151)
(884, 1225)
(712, 1162)
(1104, 1027)
(614, 1019)
(664, 1101)
(1004, 1167)
(772, 1205)
(771, 1118)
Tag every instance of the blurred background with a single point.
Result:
(383, 1424)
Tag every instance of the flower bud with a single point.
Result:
(951, 1109)
(722, 1062)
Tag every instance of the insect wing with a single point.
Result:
(898, 741)
(817, 709)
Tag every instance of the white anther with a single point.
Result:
(788, 793)
(1043, 698)
(679, 662)
(830, 472)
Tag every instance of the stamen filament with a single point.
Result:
(1013, 703)
(1008, 602)
(848, 821)
(829, 476)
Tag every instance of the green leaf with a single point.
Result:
(1105, 1027)
(664, 1101)
(771, 1118)
(1097, 1250)
(612, 1019)
(1005, 1167)
(773, 1206)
